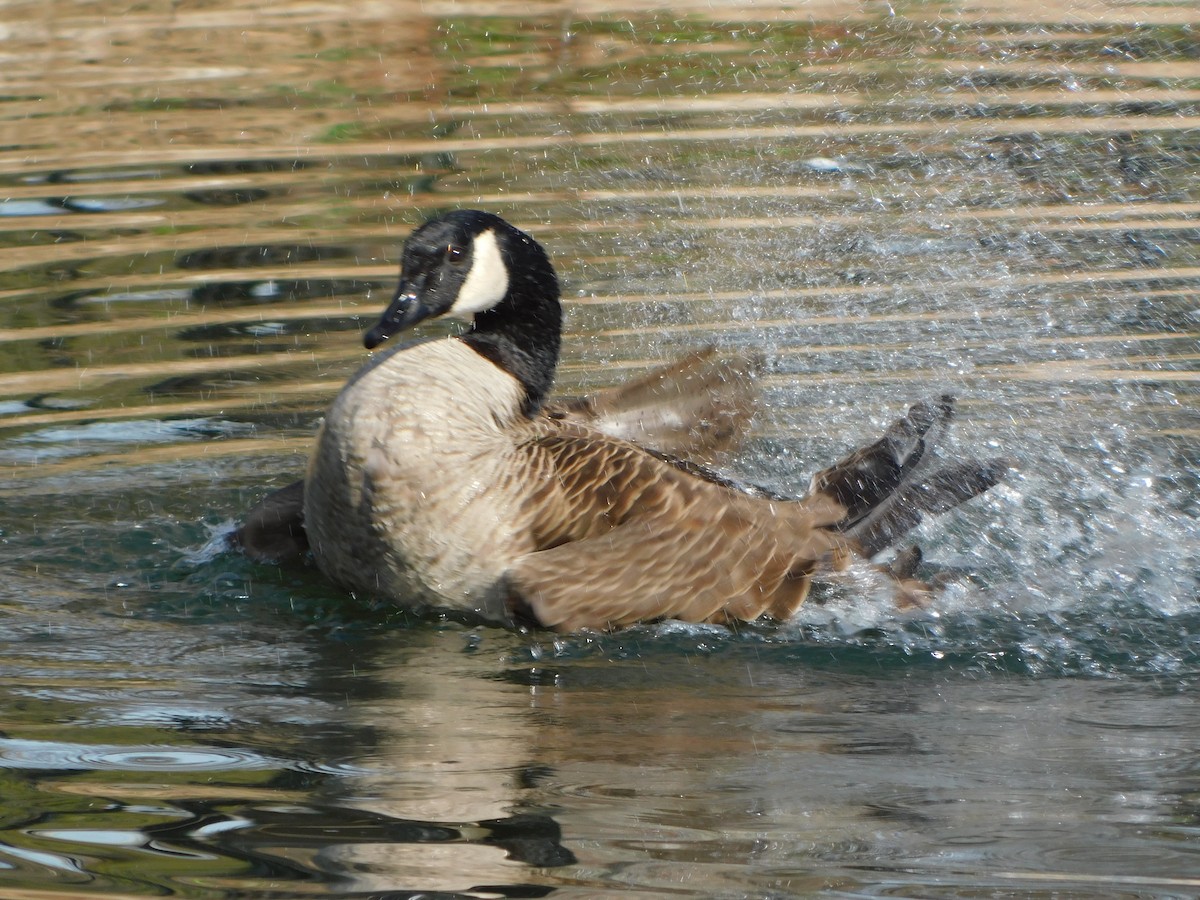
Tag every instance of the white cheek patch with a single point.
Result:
(486, 283)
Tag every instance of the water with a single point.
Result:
(200, 210)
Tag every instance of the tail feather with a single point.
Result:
(940, 492)
(869, 477)
(889, 486)
(957, 483)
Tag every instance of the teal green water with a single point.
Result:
(200, 210)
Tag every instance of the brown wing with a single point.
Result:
(695, 407)
(627, 537)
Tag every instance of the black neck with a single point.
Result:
(523, 332)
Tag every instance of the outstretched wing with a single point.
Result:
(696, 406)
(625, 536)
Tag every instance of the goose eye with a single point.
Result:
(455, 254)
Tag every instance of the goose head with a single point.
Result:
(467, 264)
(474, 265)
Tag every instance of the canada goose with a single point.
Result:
(438, 477)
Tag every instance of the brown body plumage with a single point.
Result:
(695, 408)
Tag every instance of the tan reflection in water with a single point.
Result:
(466, 737)
(452, 741)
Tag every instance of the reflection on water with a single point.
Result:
(201, 206)
(487, 763)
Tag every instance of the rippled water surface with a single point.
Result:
(200, 209)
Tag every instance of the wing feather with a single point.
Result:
(696, 407)
(623, 536)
